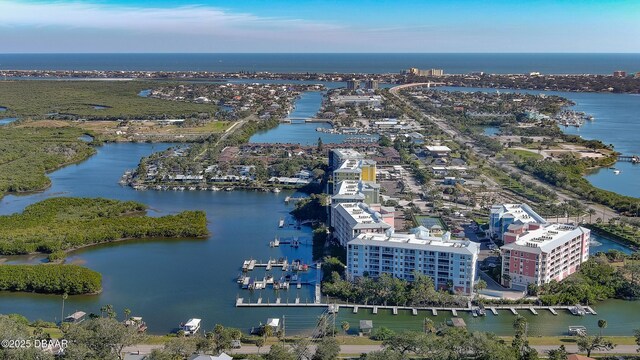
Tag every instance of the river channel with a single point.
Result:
(168, 281)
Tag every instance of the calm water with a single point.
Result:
(306, 106)
(178, 279)
(616, 122)
(174, 279)
(5, 121)
(329, 63)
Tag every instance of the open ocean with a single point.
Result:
(329, 63)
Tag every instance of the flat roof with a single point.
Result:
(411, 241)
(519, 212)
(438, 148)
(546, 238)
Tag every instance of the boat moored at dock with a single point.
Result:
(191, 327)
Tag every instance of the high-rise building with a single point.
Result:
(353, 84)
(450, 263)
(620, 73)
(502, 216)
(538, 254)
(372, 84)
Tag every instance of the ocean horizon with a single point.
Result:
(369, 63)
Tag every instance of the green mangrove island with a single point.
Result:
(63, 224)
(50, 279)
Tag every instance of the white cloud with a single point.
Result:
(177, 20)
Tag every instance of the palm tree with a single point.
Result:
(602, 324)
(591, 213)
(479, 286)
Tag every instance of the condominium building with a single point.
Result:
(338, 156)
(353, 84)
(450, 263)
(351, 219)
(501, 216)
(354, 170)
(539, 253)
(350, 191)
(371, 84)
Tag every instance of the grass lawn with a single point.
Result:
(36, 99)
(524, 154)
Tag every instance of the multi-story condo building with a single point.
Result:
(339, 156)
(539, 253)
(353, 84)
(350, 191)
(501, 216)
(372, 84)
(351, 219)
(354, 170)
(450, 263)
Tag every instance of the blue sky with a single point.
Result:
(320, 26)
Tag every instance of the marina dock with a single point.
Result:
(395, 310)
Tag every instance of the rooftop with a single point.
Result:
(418, 242)
(547, 237)
(519, 212)
(362, 215)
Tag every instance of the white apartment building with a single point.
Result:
(352, 219)
(502, 216)
(450, 263)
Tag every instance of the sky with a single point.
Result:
(253, 26)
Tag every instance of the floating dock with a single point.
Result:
(533, 311)
(414, 311)
(395, 310)
(434, 312)
(375, 309)
(513, 311)
(553, 311)
(454, 312)
(591, 311)
(355, 309)
(494, 311)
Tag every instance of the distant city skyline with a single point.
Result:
(323, 26)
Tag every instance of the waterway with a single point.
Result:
(169, 281)
(306, 106)
(616, 122)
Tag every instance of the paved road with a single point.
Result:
(601, 211)
(359, 349)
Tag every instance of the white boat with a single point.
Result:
(75, 318)
(616, 171)
(276, 190)
(191, 327)
(577, 330)
(275, 243)
(281, 223)
(578, 310)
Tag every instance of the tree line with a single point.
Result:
(66, 223)
(50, 279)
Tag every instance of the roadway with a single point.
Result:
(602, 211)
(360, 349)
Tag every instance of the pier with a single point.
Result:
(414, 310)
(290, 199)
(630, 158)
